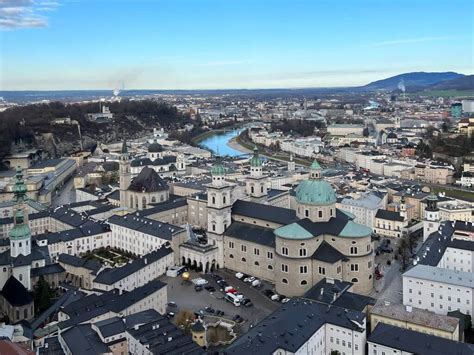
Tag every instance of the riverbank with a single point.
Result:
(240, 144)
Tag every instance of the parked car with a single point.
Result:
(275, 297)
(251, 279)
(285, 300)
(210, 288)
(268, 293)
(170, 315)
(256, 283)
(209, 310)
(198, 288)
(239, 275)
(246, 302)
(200, 281)
(237, 318)
(172, 304)
(219, 313)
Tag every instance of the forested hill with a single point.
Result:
(32, 124)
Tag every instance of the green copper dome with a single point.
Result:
(218, 168)
(255, 161)
(315, 192)
(21, 230)
(293, 231)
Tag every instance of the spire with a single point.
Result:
(255, 161)
(124, 147)
(19, 189)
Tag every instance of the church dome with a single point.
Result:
(155, 148)
(255, 161)
(218, 169)
(21, 230)
(315, 192)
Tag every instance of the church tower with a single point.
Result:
(256, 184)
(315, 170)
(432, 218)
(125, 174)
(20, 235)
(291, 165)
(219, 204)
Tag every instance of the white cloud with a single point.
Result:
(413, 40)
(17, 14)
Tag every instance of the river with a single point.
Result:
(217, 142)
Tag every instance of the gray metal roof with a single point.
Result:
(417, 343)
(433, 273)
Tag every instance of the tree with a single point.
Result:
(43, 295)
(405, 250)
(184, 320)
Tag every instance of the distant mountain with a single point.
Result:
(412, 80)
(462, 83)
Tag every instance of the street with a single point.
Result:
(66, 195)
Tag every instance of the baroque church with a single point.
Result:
(294, 248)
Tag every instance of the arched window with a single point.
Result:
(302, 251)
(353, 250)
(213, 200)
(20, 277)
(252, 190)
(355, 280)
(257, 263)
(143, 202)
(25, 313)
(284, 250)
(231, 256)
(244, 260)
(153, 199)
(162, 198)
(270, 267)
(20, 244)
(223, 199)
(261, 189)
(304, 282)
(285, 281)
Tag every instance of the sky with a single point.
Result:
(218, 44)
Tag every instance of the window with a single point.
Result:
(369, 264)
(231, 256)
(322, 270)
(285, 281)
(353, 250)
(231, 245)
(339, 269)
(354, 267)
(213, 200)
(269, 267)
(306, 213)
(355, 280)
(244, 260)
(303, 269)
(257, 263)
(243, 248)
(269, 255)
(302, 252)
(20, 277)
(284, 250)
(320, 214)
(304, 282)
(223, 199)
(284, 268)
(256, 251)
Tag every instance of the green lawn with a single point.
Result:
(454, 193)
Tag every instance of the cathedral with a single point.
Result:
(294, 248)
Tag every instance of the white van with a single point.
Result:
(230, 297)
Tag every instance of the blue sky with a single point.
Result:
(203, 44)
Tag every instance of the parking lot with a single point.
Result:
(183, 293)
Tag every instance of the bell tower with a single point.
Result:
(431, 219)
(125, 174)
(219, 204)
(256, 184)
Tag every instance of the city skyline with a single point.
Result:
(213, 44)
